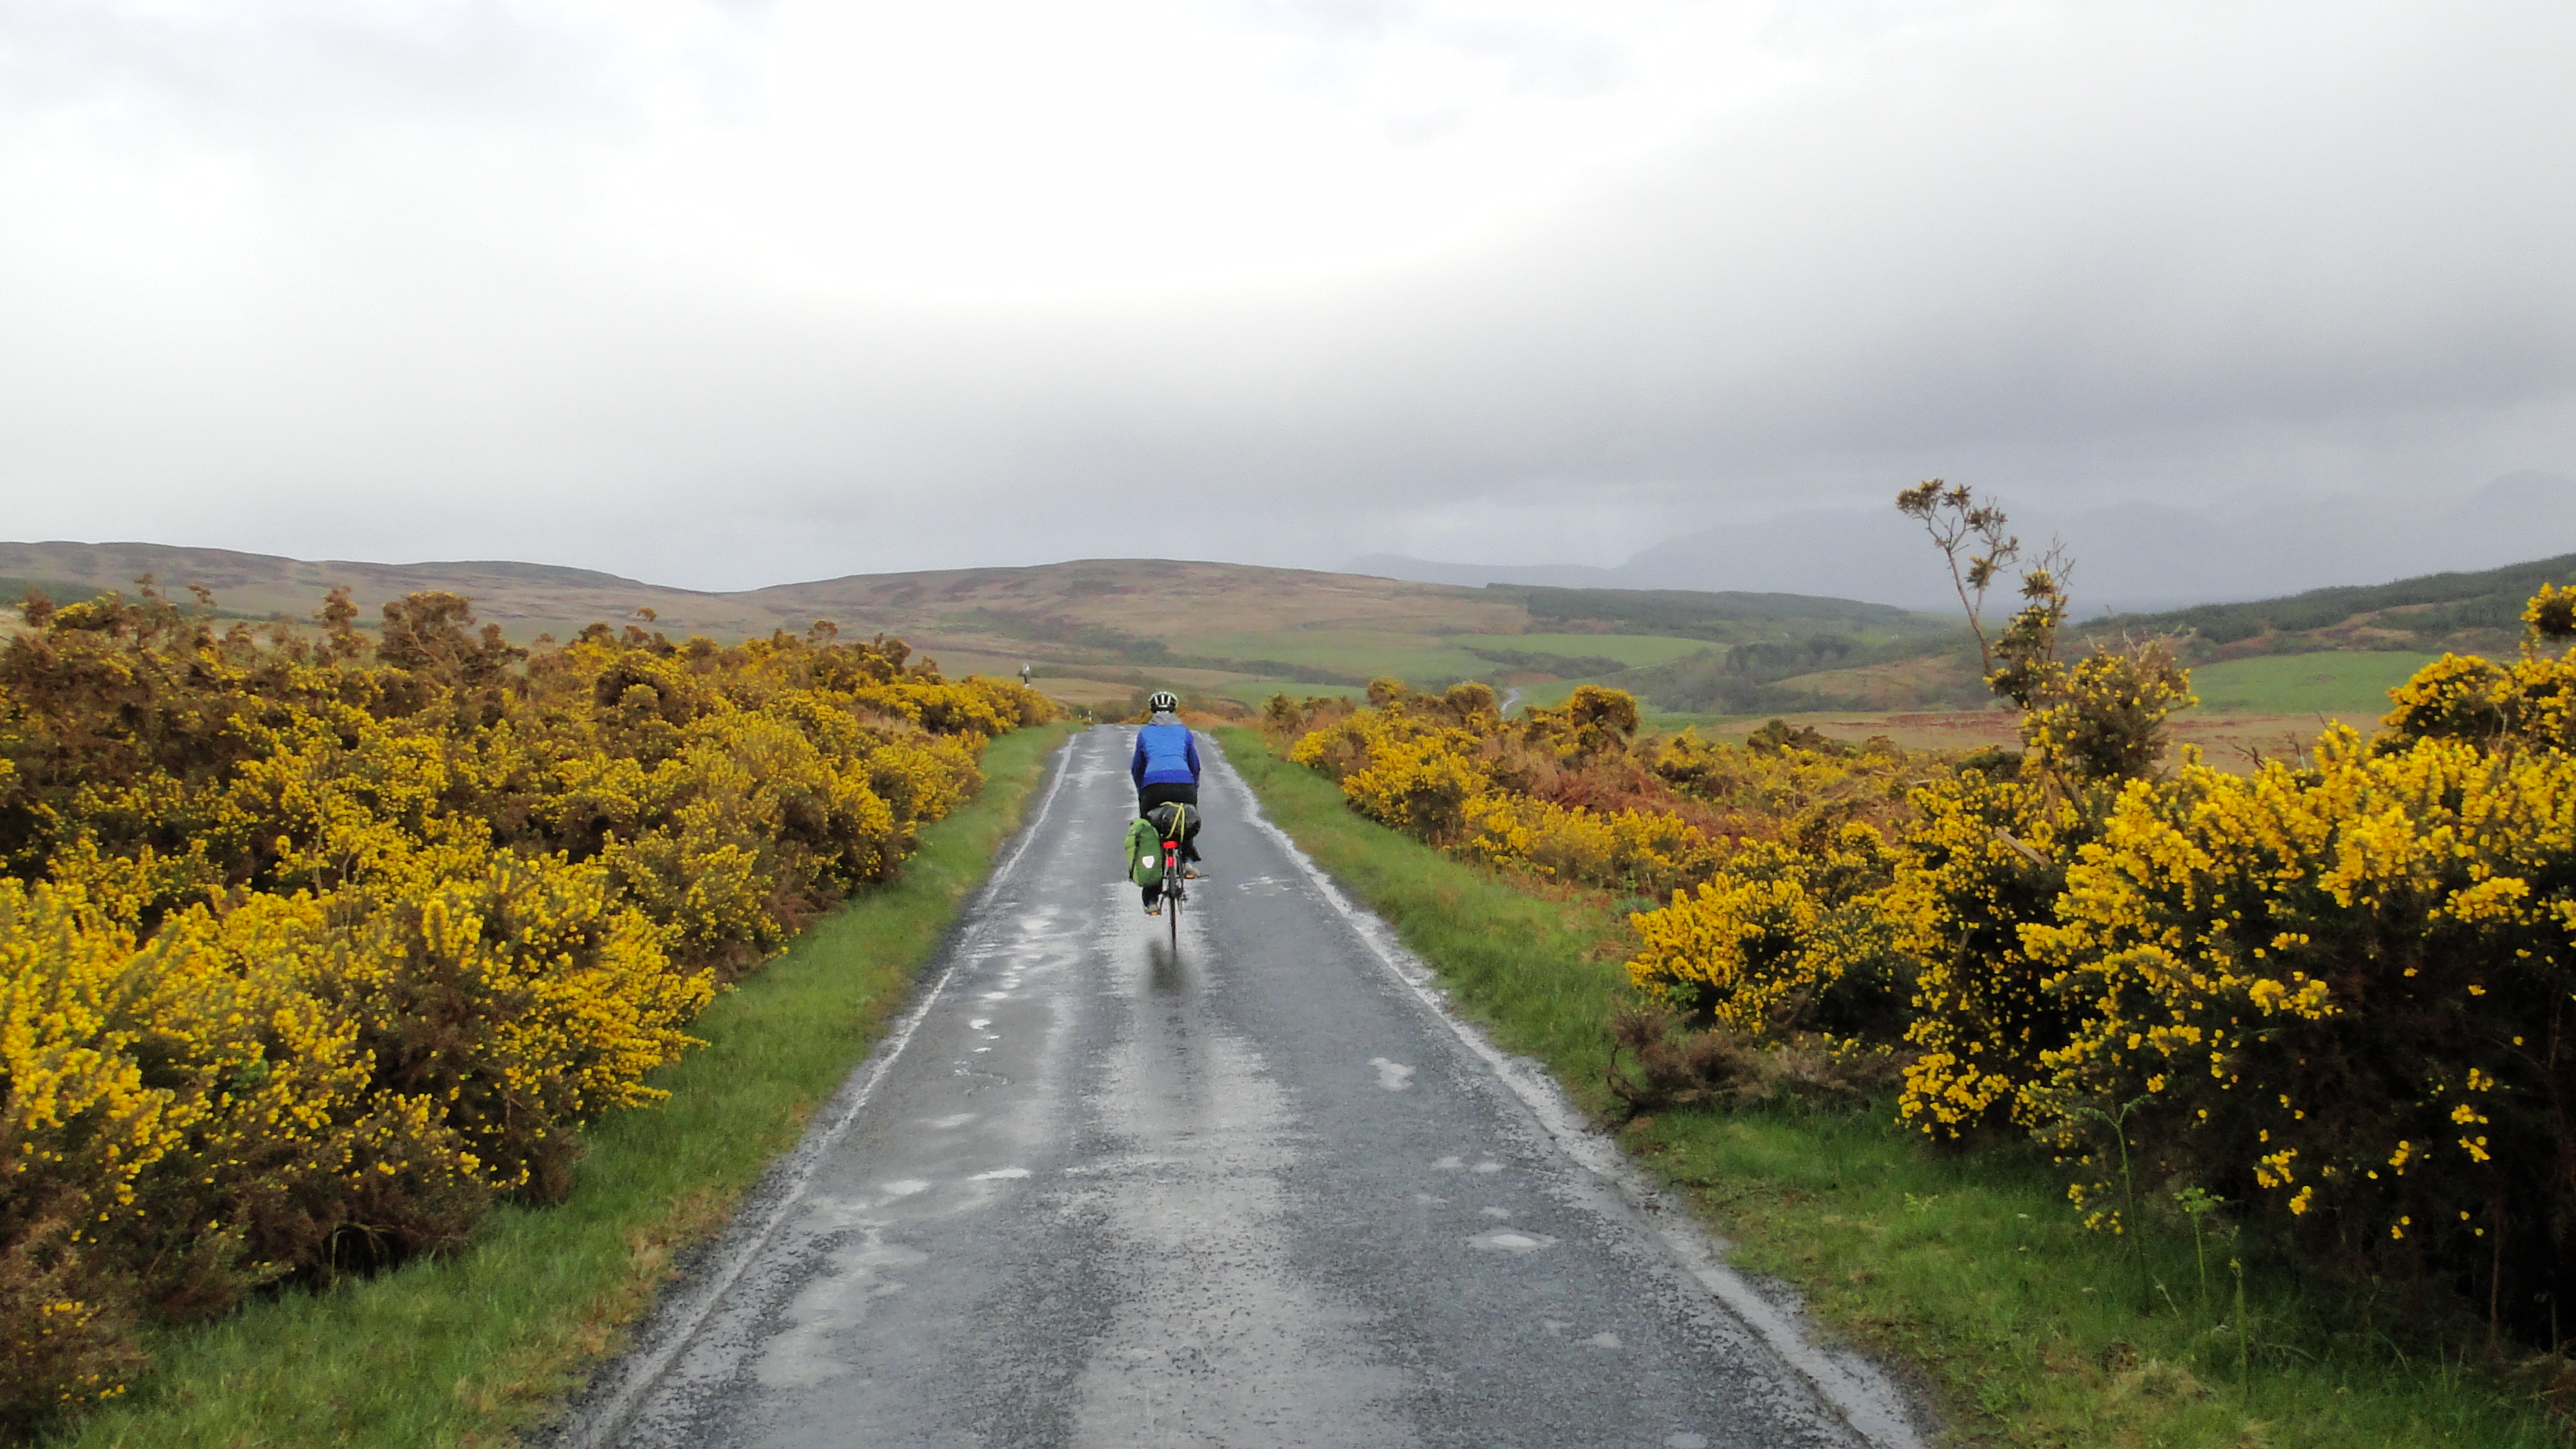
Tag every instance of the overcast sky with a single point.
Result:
(723, 294)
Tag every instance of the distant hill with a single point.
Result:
(2133, 557)
(1722, 615)
(1092, 629)
(525, 599)
(2262, 654)
(1099, 630)
(2431, 612)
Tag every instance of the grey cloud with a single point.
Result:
(2185, 257)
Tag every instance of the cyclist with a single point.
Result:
(1166, 769)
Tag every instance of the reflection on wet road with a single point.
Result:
(1258, 1191)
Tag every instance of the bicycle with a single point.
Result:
(1173, 875)
(1158, 842)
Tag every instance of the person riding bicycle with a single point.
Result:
(1166, 769)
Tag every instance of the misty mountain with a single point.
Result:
(2129, 557)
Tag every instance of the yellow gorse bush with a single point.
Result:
(1645, 852)
(1782, 785)
(1982, 861)
(2346, 982)
(305, 958)
(1421, 783)
(1781, 940)
(182, 1112)
(1448, 770)
(2335, 991)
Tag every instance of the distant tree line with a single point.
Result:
(2439, 605)
(1748, 678)
(1563, 666)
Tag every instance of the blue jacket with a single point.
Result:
(1165, 755)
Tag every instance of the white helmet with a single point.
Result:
(1163, 702)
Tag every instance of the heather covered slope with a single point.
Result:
(1093, 630)
(2325, 651)
(524, 599)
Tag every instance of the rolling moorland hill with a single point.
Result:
(1094, 630)
(2131, 556)
(525, 599)
(2477, 612)
(2330, 651)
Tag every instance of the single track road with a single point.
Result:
(1261, 1191)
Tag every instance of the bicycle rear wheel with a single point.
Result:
(1172, 908)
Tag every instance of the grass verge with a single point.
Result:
(1968, 1265)
(469, 1349)
(1542, 974)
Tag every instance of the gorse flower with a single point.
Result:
(2334, 991)
(304, 960)
(1526, 795)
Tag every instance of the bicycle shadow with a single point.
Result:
(1165, 972)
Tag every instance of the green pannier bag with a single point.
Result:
(1144, 854)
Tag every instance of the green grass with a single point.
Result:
(2343, 682)
(467, 1349)
(1367, 653)
(1968, 1265)
(1549, 696)
(1633, 650)
(1255, 692)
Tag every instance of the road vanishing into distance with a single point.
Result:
(1261, 1191)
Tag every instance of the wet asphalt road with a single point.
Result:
(1261, 1192)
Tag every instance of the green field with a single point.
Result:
(1546, 696)
(1633, 650)
(1364, 653)
(2345, 682)
(1256, 692)
(1417, 659)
